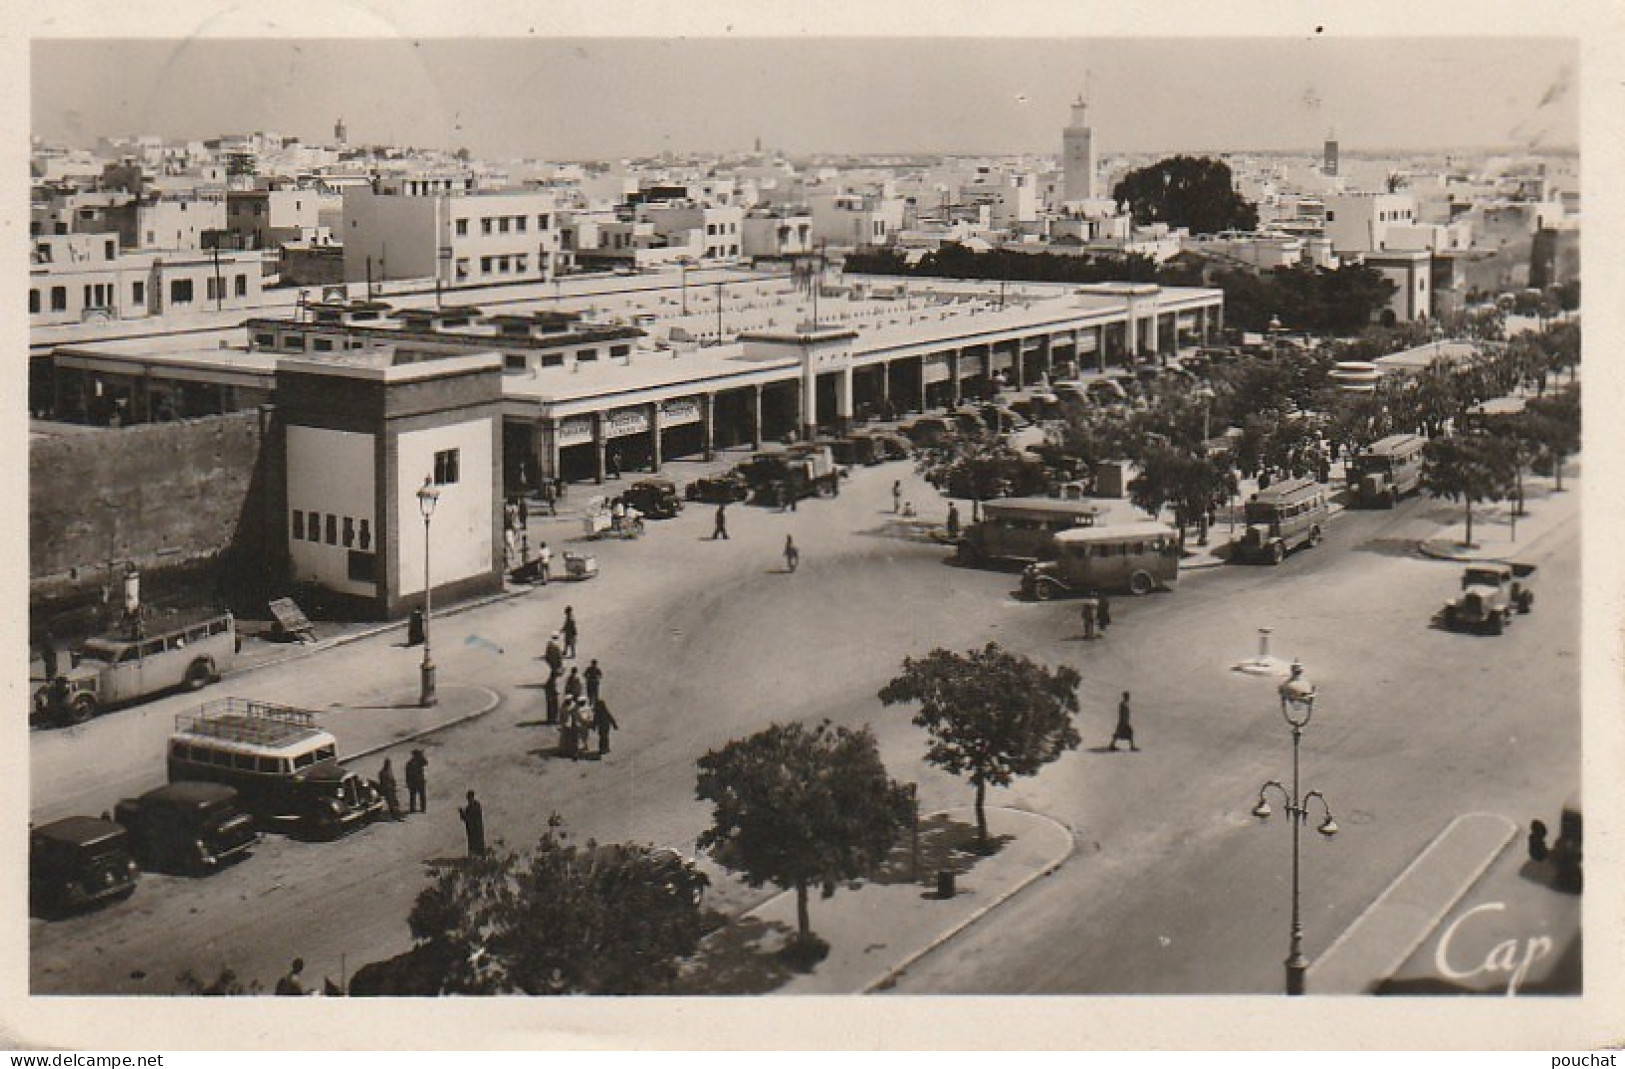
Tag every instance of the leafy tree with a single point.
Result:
(801, 807)
(611, 919)
(1186, 191)
(1552, 425)
(992, 715)
(981, 469)
(1470, 468)
(1188, 482)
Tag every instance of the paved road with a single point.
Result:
(705, 641)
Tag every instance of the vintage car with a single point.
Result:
(724, 489)
(654, 498)
(188, 827)
(78, 862)
(1491, 593)
(138, 662)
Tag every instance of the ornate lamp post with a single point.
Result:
(1297, 706)
(428, 497)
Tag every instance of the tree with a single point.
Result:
(991, 715)
(611, 919)
(1171, 476)
(1553, 426)
(1193, 192)
(801, 807)
(980, 469)
(1470, 468)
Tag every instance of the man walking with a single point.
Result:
(1125, 730)
(897, 495)
(1089, 610)
(417, 783)
(551, 689)
(953, 522)
(1103, 613)
(48, 653)
(594, 676)
(603, 723)
(554, 654)
(572, 685)
(473, 815)
(721, 528)
(544, 563)
(792, 555)
(388, 788)
(569, 632)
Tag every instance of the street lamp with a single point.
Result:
(428, 497)
(1297, 706)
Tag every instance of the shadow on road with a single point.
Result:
(1389, 547)
(946, 845)
(740, 959)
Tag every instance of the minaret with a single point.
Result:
(339, 133)
(1329, 160)
(1078, 155)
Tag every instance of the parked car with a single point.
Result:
(893, 446)
(722, 489)
(928, 431)
(655, 498)
(136, 663)
(191, 827)
(78, 862)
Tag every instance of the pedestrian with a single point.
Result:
(549, 498)
(1090, 610)
(544, 563)
(603, 723)
(1103, 613)
(292, 982)
(953, 522)
(721, 528)
(551, 689)
(388, 788)
(613, 459)
(554, 654)
(1125, 730)
(908, 510)
(1538, 850)
(567, 728)
(569, 632)
(48, 653)
(473, 815)
(593, 676)
(897, 495)
(524, 513)
(558, 491)
(572, 684)
(792, 555)
(417, 783)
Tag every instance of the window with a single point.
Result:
(519, 223)
(33, 302)
(349, 531)
(1331, 216)
(212, 285)
(446, 463)
(462, 228)
(503, 265)
(112, 248)
(332, 529)
(462, 267)
(322, 345)
(138, 293)
(502, 225)
(361, 567)
(514, 361)
(541, 222)
(180, 291)
(59, 298)
(620, 350)
(485, 265)
(294, 343)
(242, 286)
(586, 354)
(365, 537)
(485, 226)
(265, 341)
(521, 262)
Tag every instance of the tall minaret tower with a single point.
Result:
(1078, 155)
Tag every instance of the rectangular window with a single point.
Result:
(138, 293)
(586, 354)
(519, 223)
(503, 264)
(514, 361)
(212, 286)
(541, 222)
(180, 291)
(59, 298)
(265, 341)
(242, 286)
(462, 228)
(485, 265)
(361, 567)
(462, 268)
(33, 302)
(502, 225)
(298, 523)
(88, 302)
(112, 249)
(332, 529)
(620, 350)
(521, 262)
(446, 464)
(485, 226)
(322, 345)
(294, 343)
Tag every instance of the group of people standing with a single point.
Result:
(1097, 615)
(575, 702)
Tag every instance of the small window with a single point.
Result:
(514, 361)
(265, 341)
(620, 350)
(294, 343)
(332, 529)
(112, 249)
(519, 223)
(268, 765)
(304, 760)
(462, 228)
(152, 647)
(138, 292)
(349, 531)
(485, 265)
(586, 355)
(59, 298)
(33, 302)
(180, 291)
(502, 225)
(322, 345)
(446, 465)
(361, 567)
(241, 286)
(485, 226)
(299, 523)
(541, 222)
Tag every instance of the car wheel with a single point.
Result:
(1390, 500)
(81, 709)
(1526, 603)
(1043, 591)
(1277, 553)
(1314, 536)
(1497, 624)
(199, 673)
(1141, 583)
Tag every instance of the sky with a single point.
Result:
(612, 97)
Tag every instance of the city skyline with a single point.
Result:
(614, 98)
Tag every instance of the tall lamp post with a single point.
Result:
(1297, 706)
(428, 497)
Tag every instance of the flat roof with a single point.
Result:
(1105, 532)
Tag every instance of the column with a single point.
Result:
(1153, 321)
(1046, 354)
(544, 444)
(921, 406)
(655, 444)
(1100, 349)
(1018, 365)
(756, 416)
(885, 387)
(953, 377)
(843, 399)
(600, 470)
(708, 404)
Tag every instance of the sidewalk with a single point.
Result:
(1497, 534)
(877, 928)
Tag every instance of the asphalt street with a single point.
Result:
(1174, 887)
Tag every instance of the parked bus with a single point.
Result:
(1137, 557)
(1482, 417)
(1280, 519)
(1023, 529)
(117, 668)
(1386, 470)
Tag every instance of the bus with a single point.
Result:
(1386, 470)
(1138, 557)
(1021, 530)
(138, 662)
(1289, 514)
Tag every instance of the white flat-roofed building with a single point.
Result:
(432, 228)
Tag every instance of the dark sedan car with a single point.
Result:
(77, 862)
(188, 827)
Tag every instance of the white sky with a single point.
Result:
(602, 97)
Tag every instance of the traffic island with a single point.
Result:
(877, 928)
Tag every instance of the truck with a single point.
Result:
(779, 476)
(1491, 592)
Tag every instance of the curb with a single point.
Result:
(493, 701)
(902, 966)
